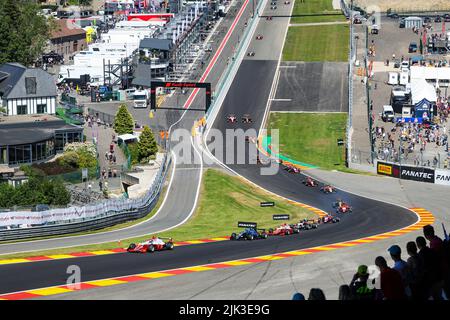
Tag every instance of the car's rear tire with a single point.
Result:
(150, 249)
(169, 246)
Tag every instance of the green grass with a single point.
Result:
(224, 201)
(317, 43)
(315, 11)
(312, 137)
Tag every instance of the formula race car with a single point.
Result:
(283, 230)
(287, 2)
(152, 245)
(309, 182)
(273, 8)
(249, 234)
(259, 37)
(246, 118)
(269, 18)
(328, 189)
(330, 219)
(342, 207)
(231, 118)
(306, 224)
(291, 169)
(251, 54)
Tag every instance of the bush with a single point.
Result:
(123, 122)
(147, 145)
(37, 190)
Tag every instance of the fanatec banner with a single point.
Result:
(442, 177)
(417, 174)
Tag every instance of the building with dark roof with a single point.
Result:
(67, 39)
(26, 91)
(34, 138)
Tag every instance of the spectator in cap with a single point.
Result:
(390, 281)
(298, 296)
(358, 285)
(316, 294)
(401, 266)
(415, 265)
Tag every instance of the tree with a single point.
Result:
(147, 144)
(123, 123)
(23, 32)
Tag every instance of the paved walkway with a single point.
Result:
(104, 140)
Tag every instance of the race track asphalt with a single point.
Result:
(248, 94)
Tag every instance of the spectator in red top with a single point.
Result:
(432, 271)
(437, 245)
(390, 281)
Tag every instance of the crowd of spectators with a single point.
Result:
(425, 275)
(410, 141)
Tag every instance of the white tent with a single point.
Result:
(421, 89)
(431, 73)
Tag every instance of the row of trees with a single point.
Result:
(37, 190)
(23, 32)
(124, 123)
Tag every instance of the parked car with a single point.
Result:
(412, 47)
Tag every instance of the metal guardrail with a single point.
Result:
(139, 208)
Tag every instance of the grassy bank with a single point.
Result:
(315, 11)
(312, 137)
(317, 43)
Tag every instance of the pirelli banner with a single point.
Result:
(442, 177)
(388, 169)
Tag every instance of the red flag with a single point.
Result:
(424, 39)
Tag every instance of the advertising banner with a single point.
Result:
(280, 217)
(388, 169)
(442, 177)
(242, 224)
(417, 174)
(267, 204)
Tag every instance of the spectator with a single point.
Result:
(437, 245)
(390, 281)
(432, 272)
(100, 185)
(415, 265)
(345, 292)
(401, 266)
(298, 296)
(358, 285)
(316, 294)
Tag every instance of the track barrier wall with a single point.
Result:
(414, 173)
(85, 218)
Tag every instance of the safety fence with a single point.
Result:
(22, 225)
(415, 173)
(351, 60)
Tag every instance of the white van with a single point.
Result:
(388, 114)
(393, 78)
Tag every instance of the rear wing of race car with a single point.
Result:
(166, 238)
